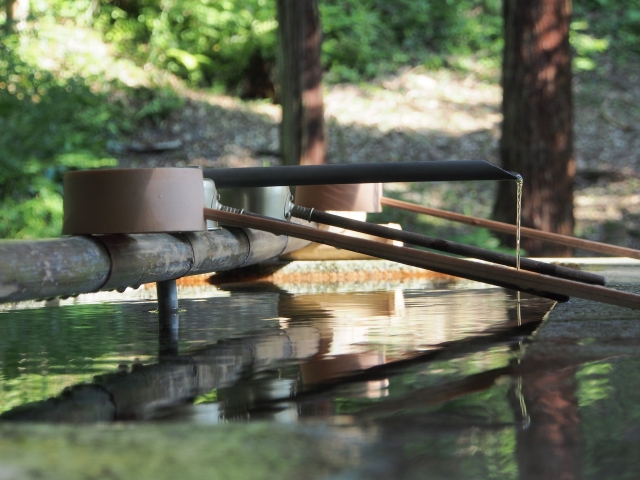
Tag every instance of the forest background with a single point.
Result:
(91, 83)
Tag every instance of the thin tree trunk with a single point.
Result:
(8, 25)
(537, 135)
(302, 136)
(17, 13)
(313, 133)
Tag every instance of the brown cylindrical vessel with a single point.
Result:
(136, 200)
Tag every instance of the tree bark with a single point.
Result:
(302, 135)
(537, 135)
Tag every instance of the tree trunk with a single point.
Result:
(17, 13)
(8, 25)
(537, 136)
(302, 135)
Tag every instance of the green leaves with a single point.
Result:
(605, 25)
(367, 38)
(51, 120)
(205, 42)
(586, 46)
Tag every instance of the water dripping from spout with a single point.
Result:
(523, 406)
(519, 183)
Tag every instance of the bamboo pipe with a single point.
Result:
(314, 215)
(541, 285)
(48, 268)
(557, 238)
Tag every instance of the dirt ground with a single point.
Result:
(423, 115)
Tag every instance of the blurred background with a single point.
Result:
(102, 83)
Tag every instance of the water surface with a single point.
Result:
(405, 382)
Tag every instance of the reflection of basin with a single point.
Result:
(329, 368)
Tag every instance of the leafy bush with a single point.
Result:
(212, 41)
(616, 22)
(364, 38)
(47, 125)
(56, 115)
(204, 41)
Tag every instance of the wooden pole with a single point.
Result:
(566, 240)
(290, 14)
(314, 143)
(313, 215)
(534, 283)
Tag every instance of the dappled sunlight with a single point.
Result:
(417, 100)
(71, 51)
(228, 102)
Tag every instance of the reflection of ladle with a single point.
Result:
(446, 351)
(449, 314)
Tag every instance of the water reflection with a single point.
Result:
(417, 383)
(425, 380)
(266, 343)
(552, 444)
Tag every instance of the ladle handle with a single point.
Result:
(445, 245)
(556, 238)
(534, 283)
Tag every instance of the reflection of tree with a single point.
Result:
(551, 446)
(609, 396)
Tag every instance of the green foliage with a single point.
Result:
(609, 399)
(49, 124)
(615, 22)
(594, 383)
(586, 46)
(365, 38)
(210, 397)
(57, 113)
(203, 41)
(211, 42)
